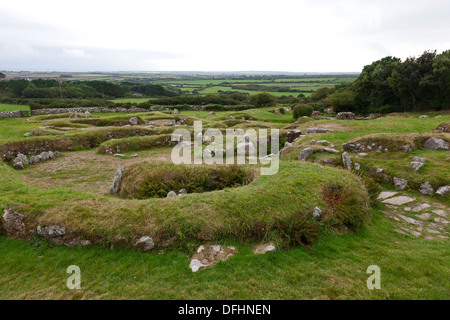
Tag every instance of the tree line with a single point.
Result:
(392, 85)
(53, 89)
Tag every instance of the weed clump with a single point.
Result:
(144, 181)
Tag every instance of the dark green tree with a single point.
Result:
(263, 100)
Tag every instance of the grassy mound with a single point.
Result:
(109, 121)
(135, 143)
(278, 207)
(73, 141)
(144, 180)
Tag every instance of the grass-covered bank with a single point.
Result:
(334, 268)
(278, 207)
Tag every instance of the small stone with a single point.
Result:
(386, 194)
(426, 188)
(133, 120)
(171, 194)
(305, 153)
(317, 130)
(12, 223)
(145, 244)
(441, 220)
(330, 150)
(436, 226)
(357, 166)
(407, 148)
(209, 255)
(363, 154)
(400, 183)
(317, 212)
(416, 207)
(323, 142)
(424, 216)
(411, 220)
(182, 192)
(400, 200)
(28, 134)
(18, 165)
(420, 159)
(443, 191)
(115, 186)
(264, 248)
(175, 111)
(440, 212)
(347, 161)
(416, 165)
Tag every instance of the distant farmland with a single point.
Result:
(276, 87)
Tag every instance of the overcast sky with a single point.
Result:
(217, 35)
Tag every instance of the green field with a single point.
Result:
(13, 107)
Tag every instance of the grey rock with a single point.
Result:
(317, 212)
(22, 158)
(264, 248)
(400, 183)
(145, 244)
(315, 114)
(345, 116)
(323, 142)
(18, 165)
(436, 144)
(57, 154)
(347, 161)
(76, 116)
(317, 130)
(426, 188)
(419, 159)
(416, 165)
(13, 224)
(171, 194)
(52, 231)
(305, 153)
(175, 111)
(208, 255)
(357, 166)
(45, 156)
(443, 191)
(212, 113)
(133, 120)
(28, 134)
(182, 192)
(115, 186)
(407, 148)
(330, 150)
(398, 201)
(423, 117)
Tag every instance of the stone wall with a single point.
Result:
(10, 114)
(83, 110)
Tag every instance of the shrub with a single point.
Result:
(302, 110)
